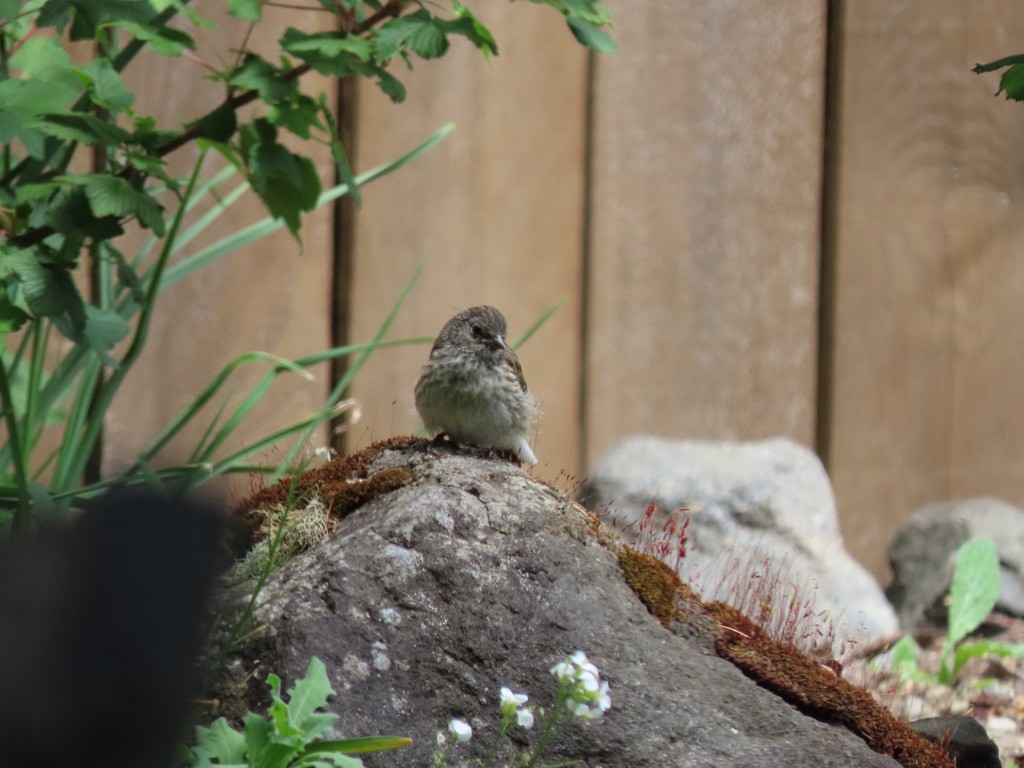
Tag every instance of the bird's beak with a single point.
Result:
(498, 342)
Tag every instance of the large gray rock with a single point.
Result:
(751, 505)
(427, 600)
(923, 554)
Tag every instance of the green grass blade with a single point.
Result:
(358, 745)
(228, 463)
(98, 405)
(540, 322)
(264, 227)
(376, 343)
(208, 393)
(23, 510)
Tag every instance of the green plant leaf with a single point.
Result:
(975, 587)
(345, 172)
(103, 328)
(1012, 82)
(107, 88)
(323, 45)
(11, 317)
(48, 291)
(219, 125)
(246, 10)
(298, 116)
(222, 742)
(417, 32)
(113, 196)
(9, 9)
(470, 27)
(286, 182)
(70, 214)
(256, 74)
(43, 58)
(903, 656)
(261, 745)
(166, 41)
(591, 36)
(81, 127)
(309, 694)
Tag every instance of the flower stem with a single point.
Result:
(549, 727)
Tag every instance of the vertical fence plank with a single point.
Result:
(705, 222)
(494, 214)
(926, 398)
(271, 296)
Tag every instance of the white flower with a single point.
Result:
(524, 719)
(586, 693)
(579, 659)
(510, 702)
(589, 682)
(564, 671)
(461, 730)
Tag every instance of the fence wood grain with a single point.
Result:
(926, 399)
(691, 266)
(494, 214)
(703, 263)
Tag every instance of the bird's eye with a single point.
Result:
(477, 331)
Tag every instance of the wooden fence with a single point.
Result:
(799, 218)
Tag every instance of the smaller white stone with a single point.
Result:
(390, 616)
(379, 654)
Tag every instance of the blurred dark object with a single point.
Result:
(100, 624)
(964, 738)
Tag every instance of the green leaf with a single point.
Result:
(341, 162)
(113, 196)
(11, 317)
(903, 657)
(323, 45)
(391, 85)
(417, 32)
(287, 183)
(49, 291)
(107, 88)
(591, 36)
(54, 13)
(90, 15)
(166, 41)
(588, 10)
(260, 745)
(81, 127)
(1012, 82)
(298, 116)
(268, 81)
(470, 27)
(975, 587)
(246, 10)
(20, 101)
(219, 125)
(9, 9)
(309, 694)
(43, 58)
(100, 331)
(71, 215)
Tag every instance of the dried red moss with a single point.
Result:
(344, 485)
(813, 687)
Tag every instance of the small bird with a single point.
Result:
(472, 389)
